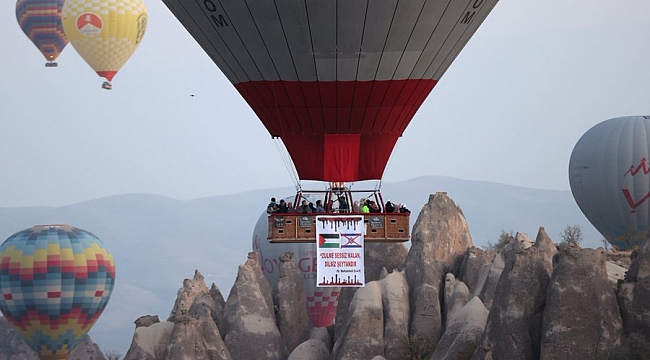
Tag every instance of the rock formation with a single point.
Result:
(513, 326)
(464, 327)
(633, 296)
(581, 319)
(150, 339)
(444, 299)
(474, 264)
(292, 315)
(250, 328)
(440, 238)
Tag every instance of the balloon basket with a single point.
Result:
(51, 64)
(296, 227)
(107, 86)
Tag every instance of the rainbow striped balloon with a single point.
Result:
(40, 20)
(55, 281)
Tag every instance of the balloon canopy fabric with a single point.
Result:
(321, 302)
(105, 33)
(610, 179)
(55, 281)
(337, 81)
(40, 20)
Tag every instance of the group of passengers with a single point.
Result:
(364, 206)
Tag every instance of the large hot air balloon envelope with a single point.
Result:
(55, 282)
(337, 81)
(105, 33)
(321, 301)
(40, 20)
(610, 179)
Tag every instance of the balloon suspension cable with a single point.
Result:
(390, 158)
(288, 164)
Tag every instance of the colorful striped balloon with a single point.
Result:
(41, 22)
(55, 281)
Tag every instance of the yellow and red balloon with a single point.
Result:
(105, 33)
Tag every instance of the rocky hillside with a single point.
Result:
(441, 299)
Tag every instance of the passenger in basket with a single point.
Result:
(304, 208)
(389, 207)
(404, 209)
(282, 207)
(364, 207)
(272, 206)
(319, 207)
(374, 208)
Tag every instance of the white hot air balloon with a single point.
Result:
(610, 179)
(321, 301)
(337, 81)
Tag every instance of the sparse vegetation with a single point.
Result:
(503, 240)
(113, 355)
(606, 245)
(572, 234)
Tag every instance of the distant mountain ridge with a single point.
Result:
(158, 241)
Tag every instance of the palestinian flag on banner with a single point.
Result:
(332, 241)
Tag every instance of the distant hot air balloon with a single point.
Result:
(321, 302)
(337, 81)
(609, 176)
(105, 32)
(55, 282)
(41, 22)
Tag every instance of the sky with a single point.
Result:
(532, 80)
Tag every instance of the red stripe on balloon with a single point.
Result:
(301, 113)
(108, 74)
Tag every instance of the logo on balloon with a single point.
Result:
(632, 171)
(142, 27)
(635, 170)
(89, 24)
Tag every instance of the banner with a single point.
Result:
(339, 240)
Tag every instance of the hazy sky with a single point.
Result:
(532, 80)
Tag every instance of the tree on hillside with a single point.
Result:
(572, 234)
(606, 244)
(501, 242)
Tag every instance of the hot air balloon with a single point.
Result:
(336, 81)
(321, 301)
(610, 179)
(55, 280)
(41, 22)
(105, 32)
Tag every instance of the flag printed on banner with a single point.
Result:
(351, 240)
(339, 250)
(329, 241)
